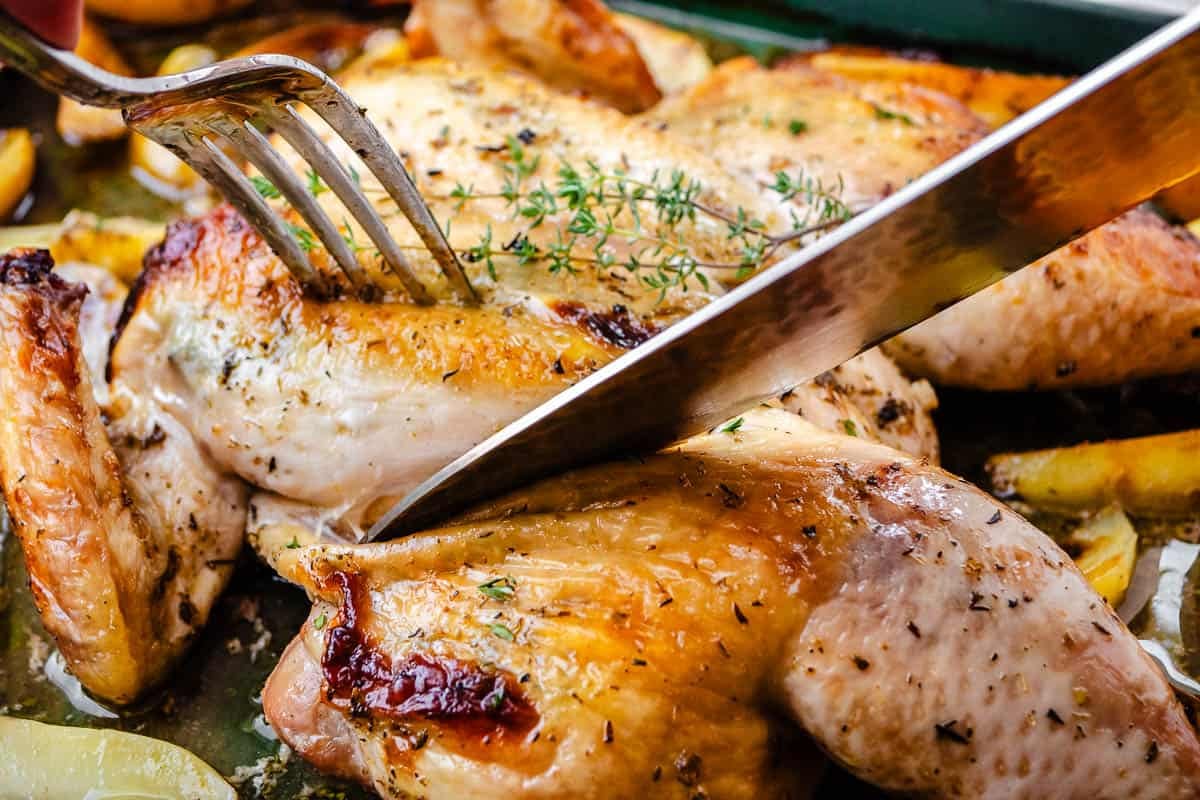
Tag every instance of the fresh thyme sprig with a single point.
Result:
(593, 200)
(599, 208)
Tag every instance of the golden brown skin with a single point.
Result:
(572, 45)
(663, 626)
(126, 548)
(872, 138)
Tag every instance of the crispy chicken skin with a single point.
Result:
(572, 45)
(659, 627)
(128, 546)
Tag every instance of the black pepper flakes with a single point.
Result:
(810, 531)
(730, 498)
(976, 605)
(687, 768)
(741, 617)
(992, 520)
(1152, 753)
(861, 663)
(913, 629)
(1053, 716)
(1101, 628)
(945, 732)
(608, 731)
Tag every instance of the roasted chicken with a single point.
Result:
(225, 379)
(1071, 319)
(661, 628)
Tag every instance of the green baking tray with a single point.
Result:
(211, 705)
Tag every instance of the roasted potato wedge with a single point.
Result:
(105, 764)
(17, 161)
(164, 12)
(154, 166)
(1154, 475)
(114, 243)
(675, 59)
(1107, 549)
(995, 96)
(328, 45)
(383, 50)
(77, 123)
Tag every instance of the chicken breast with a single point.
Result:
(572, 45)
(661, 628)
(264, 377)
(129, 534)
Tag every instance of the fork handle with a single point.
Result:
(67, 74)
(62, 71)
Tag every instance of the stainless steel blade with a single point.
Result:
(1106, 143)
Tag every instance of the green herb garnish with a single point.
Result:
(733, 426)
(501, 589)
(502, 631)
(264, 187)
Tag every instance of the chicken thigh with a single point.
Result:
(662, 627)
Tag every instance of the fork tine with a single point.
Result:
(350, 122)
(251, 143)
(219, 170)
(300, 135)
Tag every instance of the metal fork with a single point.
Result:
(193, 113)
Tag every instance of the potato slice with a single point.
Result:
(997, 97)
(154, 166)
(52, 762)
(17, 160)
(115, 243)
(1156, 475)
(164, 12)
(77, 123)
(1108, 550)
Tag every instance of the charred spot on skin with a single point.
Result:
(477, 702)
(616, 326)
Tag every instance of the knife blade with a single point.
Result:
(1107, 142)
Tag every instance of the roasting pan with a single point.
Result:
(211, 705)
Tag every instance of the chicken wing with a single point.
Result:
(660, 628)
(572, 45)
(127, 543)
